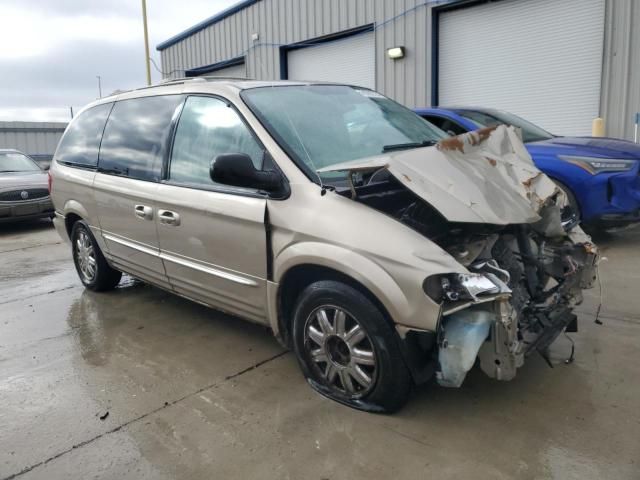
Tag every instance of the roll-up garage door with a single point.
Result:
(540, 59)
(350, 60)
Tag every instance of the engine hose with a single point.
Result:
(530, 265)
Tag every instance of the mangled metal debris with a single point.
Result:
(480, 198)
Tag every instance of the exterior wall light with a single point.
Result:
(395, 52)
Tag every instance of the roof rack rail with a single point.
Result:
(200, 78)
(215, 77)
(180, 80)
(177, 81)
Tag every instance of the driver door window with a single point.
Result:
(213, 241)
(208, 127)
(449, 126)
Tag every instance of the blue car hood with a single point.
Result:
(588, 146)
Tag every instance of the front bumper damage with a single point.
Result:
(481, 199)
(540, 284)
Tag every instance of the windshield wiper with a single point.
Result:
(9, 171)
(406, 146)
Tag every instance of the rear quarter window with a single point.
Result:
(135, 138)
(80, 143)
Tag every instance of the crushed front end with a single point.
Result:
(516, 300)
(480, 198)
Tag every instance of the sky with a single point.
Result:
(52, 50)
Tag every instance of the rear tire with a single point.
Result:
(347, 349)
(93, 270)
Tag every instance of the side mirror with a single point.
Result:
(236, 169)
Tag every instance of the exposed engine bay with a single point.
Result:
(524, 277)
(523, 284)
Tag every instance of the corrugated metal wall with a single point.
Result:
(38, 139)
(290, 21)
(620, 98)
(407, 80)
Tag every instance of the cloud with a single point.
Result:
(44, 90)
(52, 50)
(78, 7)
(45, 33)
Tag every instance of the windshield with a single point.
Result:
(530, 132)
(17, 162)
(323, 125)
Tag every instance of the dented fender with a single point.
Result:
(406, 305)
(390, 259)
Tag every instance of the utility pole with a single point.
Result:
(99, 86)
(146, 41)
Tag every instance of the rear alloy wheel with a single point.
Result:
(348, 350)
(93, 270)
(86, 256)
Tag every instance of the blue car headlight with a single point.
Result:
(595, 165)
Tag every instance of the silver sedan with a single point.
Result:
(24, 192)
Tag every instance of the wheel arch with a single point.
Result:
(303, 263)
(563, 184)
(73, 211)
(415, 346)
(299, 277)
(69, 221)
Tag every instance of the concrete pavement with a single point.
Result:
(137, 383)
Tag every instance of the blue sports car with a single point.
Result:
(599, 175)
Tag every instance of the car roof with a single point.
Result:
(238, 82)
(204, 84)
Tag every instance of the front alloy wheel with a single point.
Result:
(341, 350)
(348, 348)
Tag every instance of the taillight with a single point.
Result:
(49, 181)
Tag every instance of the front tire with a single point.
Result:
(93, 270)
(347, 349)
(570, 208)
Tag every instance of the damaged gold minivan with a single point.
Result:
(380, 251)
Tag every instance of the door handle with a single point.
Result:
(169, 218)
(144, 212)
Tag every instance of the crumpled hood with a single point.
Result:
(484, 176)
(11, 181)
